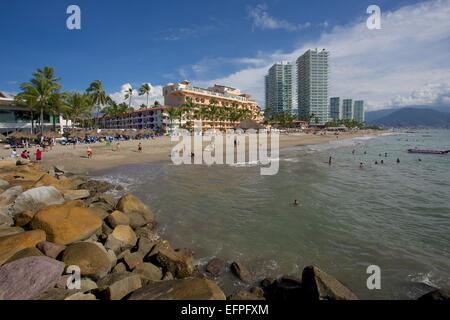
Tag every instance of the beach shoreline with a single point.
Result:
(153, 151)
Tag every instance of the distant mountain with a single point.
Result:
(411, 117)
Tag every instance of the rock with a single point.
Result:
(284, 289)
(436, 295)
(7, 197)
(184, 289)
(5, 220)
(56, 294)
(25, 253)
(95, 186)
(148, 272)
(116, 286)
(241, 272)
(4, 184)
(59, 168)
(108, 199)
(62, 281)
(70, 195)
(145, 245)
(67, 223)
(132, 260)
(61, 184)
(12, 244)
(24, 218)
(257, 291)
(26, 278)
(318, 285)
(37, 198)
(215, 267)
(81, 296)
(120, 267)
(267, 282)
(50, 249)
(138, 212)
(99, 212)
(178, 262)
(148, 233)
(22, 162)
(87, 285)
(244, 295)
(118, 218)
(89, 257)
(7, 231)
(123, 237)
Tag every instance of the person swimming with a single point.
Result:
(382, 161)
(295, 202)
(353, 151)
(361, 165)
(398, 160)
(376, 162)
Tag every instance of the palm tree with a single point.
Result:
(99, 97)
(146, 88)
(39, 91)
(57, 106)
(129, 95)
(213, 110)
(77, 105)
(172, 113)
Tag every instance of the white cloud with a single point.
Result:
(137, 100)
(408, 54)
(262, 19)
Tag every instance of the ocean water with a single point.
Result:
(395, 216)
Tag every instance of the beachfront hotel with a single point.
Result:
(347, 109)
(178, 94)
(312, 85)
(155, 119)
(279, 88)
(14, 117)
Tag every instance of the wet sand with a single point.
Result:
(159, 149)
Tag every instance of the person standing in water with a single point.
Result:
(329, 160)
(295, 203)
(398, 160)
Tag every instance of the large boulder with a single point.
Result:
(283, 289)
(25, 253)
(37, 198)
(29, 277)
(138, 212)
(70, 195)
(148, 272)
(89, 257)
(8, 196)
(116, 286)
(215, 267)
(118, 218)
(7, 231)
(318, 285)
(4, 184)
(185, 289)
(50, 249)
(241, 272)
(96, 186)
(177, 262)
(122, 238)
(24, 218)
(61, 184)
(68, 223)
(12, 244)
(436, 295)
(5, 220)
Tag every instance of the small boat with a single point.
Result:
(427, 151)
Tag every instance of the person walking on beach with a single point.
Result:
(89, 152)
(13, 153)
(140, 147)
(38, 155)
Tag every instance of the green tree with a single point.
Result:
(99, 97)
(129, 95)
(77, 105)
(145, 89)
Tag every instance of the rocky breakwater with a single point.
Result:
(63, 237)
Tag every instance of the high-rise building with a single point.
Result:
(358, 111)
(336, 108)
(280, 88)
(312, 85)
(347, 109)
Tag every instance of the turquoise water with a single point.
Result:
(396, 216)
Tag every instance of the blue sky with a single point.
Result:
(233, 42)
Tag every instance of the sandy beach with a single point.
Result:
(156, 150)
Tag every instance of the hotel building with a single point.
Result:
(312, 85)
(358, 111)
(279, 84)
(155, 119)
(176, 95)
(335, 108)
(347, 109)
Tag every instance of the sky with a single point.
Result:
(231, 42)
